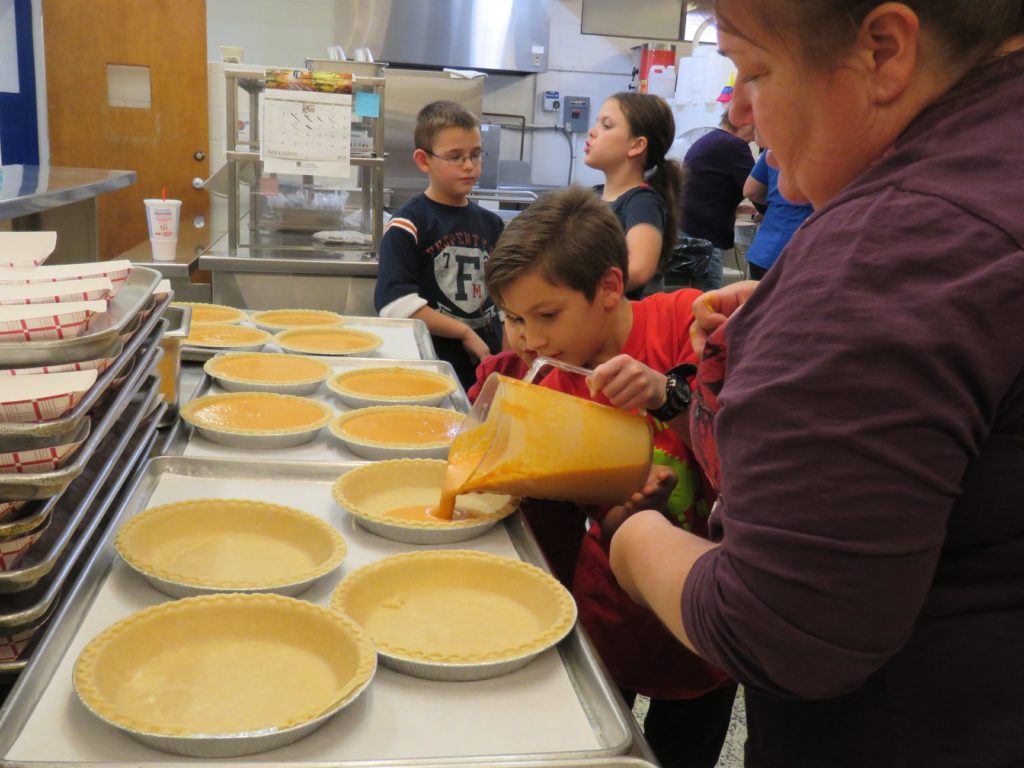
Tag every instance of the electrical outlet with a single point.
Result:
(552, 101)
(576, 113)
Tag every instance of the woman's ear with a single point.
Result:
(422, 160)
(888, 44)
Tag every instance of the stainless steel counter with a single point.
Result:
(330, 277)
(44, 197)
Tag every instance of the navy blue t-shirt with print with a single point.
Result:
(437, 253)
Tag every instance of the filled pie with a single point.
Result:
(230, 544)
(224, 665)
(328, 341)
(456, 606)
(391, 385)
(279, 319)
(211, 313)
(256, 413)
(226, 336)
(273, 370)
(403, 426)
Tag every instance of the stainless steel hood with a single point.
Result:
(486, 35)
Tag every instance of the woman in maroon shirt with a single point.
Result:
(863, 409)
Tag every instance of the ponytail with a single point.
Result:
(667, 180)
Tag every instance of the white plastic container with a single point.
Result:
(163, 217)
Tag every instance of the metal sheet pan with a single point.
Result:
(404, 339)
(558, 708)
(41, 485)
(132, 299)
(44, 554)
(26, 607)
(325, 447)
(9, 433)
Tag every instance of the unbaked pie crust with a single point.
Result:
(325, 340)
(225, 336)
(398, 426)
(203, 314)
(256, 413)
(456, 606)
(222, 544)
(392, 384)
(223, 665)
(267, 368)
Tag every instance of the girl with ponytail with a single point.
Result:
(628, 144)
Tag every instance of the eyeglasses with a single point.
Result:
(459, 160)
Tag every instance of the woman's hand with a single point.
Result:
(715, 307)
(628, 383)
(661, 481)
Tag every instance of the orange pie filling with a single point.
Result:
(407, 427)
(271, 369)
(286, 318)
(225, 334)
(394, 384)
(259, 413)
(330, 340)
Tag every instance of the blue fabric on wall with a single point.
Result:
(19, 131)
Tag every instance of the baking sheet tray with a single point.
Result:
(40, 485)
(404, 339)
(555, 708)
(23, 608)
(133, 297)
(70, 421)
(325, 447)
(44, 554)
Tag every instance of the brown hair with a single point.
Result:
(650, 116)
(437, 116)
(570, 235)
(969, 29)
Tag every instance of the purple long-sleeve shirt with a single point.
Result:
(869, 587)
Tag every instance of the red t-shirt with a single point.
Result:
(639, 652)
(506, 363)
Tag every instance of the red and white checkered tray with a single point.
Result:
(87, 289)
(38, 459)
(11, 550)
(116, 271)
(26, 249)
(47, 322)
(99, 364)
(42, 397)
(10, 507)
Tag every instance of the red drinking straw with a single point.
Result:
(163, 193)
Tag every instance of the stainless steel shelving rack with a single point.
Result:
(242, 150)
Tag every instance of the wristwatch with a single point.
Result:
(677, 393)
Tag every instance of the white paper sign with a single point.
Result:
(306, 132)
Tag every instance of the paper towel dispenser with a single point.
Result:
(485, 35)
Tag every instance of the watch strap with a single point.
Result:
(677, 392)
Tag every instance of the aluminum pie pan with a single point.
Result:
(456, 673)
(258, 442)
(178, 589)
(380, 451)
(407, 535)
(234, 744)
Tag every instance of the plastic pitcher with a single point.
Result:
(526, 440)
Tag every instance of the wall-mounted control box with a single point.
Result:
(576, 113)
(552, 101)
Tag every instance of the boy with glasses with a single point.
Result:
(434, 249)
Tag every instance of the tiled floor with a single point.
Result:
(732, 750)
